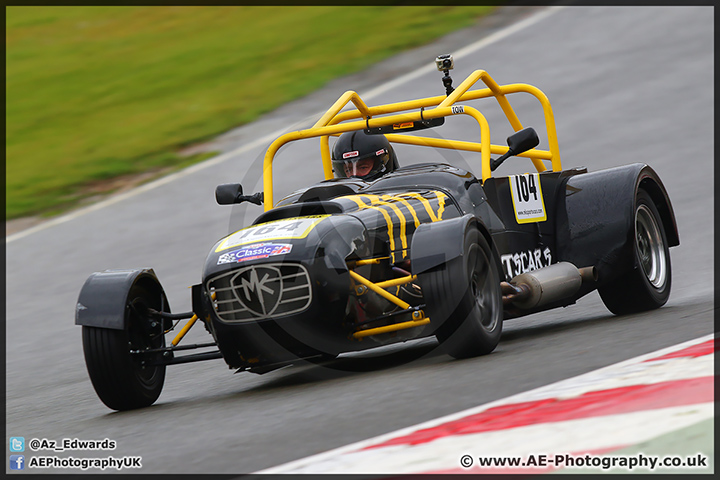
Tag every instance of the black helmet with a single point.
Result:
(353, 151)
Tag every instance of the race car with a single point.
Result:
(426, 250)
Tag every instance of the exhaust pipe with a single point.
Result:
(546, 285)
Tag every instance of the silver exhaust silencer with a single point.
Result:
(547, 285)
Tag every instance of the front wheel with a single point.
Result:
(124, 380)
(472, 324)
(647, 286)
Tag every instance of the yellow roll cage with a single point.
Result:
(330, 124)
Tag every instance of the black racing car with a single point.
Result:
(424, 250)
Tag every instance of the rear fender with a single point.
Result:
(104, 296)
(596, 218)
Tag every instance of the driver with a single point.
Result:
(368, 157)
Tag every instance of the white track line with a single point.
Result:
(499, 35)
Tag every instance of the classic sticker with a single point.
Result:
(527, 198)
(254, 252)
(298, 227)
(523, 262)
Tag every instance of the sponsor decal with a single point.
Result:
(527, 198)
(400, 126)
(522, 262)
(254, 252)
(380, 152)
(458, 109)
(298, 227)
(350, 154)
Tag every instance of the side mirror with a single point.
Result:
(519, 142)
(522, 141)
(231, 193)
(228, 193)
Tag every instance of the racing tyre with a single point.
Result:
(647, 285)
(121, 380)
(472, 324)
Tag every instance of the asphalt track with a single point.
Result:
(627, 84)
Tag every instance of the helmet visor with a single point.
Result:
(359, 168)
(355, 165)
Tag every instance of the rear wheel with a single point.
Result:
(124, 380)
(647, 285)
(472, 324)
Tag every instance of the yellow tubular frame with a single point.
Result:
(329, 124)
(378, 288)
(391, 328)
(181, 334)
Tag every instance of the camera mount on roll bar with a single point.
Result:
(445, 63)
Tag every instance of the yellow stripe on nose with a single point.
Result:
(388, 220)
(375, 200)
(428, 208)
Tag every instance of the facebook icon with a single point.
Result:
(17, 462)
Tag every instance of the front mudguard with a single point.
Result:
(104, 297)
(596, 218)
(436, 243)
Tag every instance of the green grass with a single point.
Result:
(98, 92)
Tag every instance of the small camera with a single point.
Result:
(444, 62)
